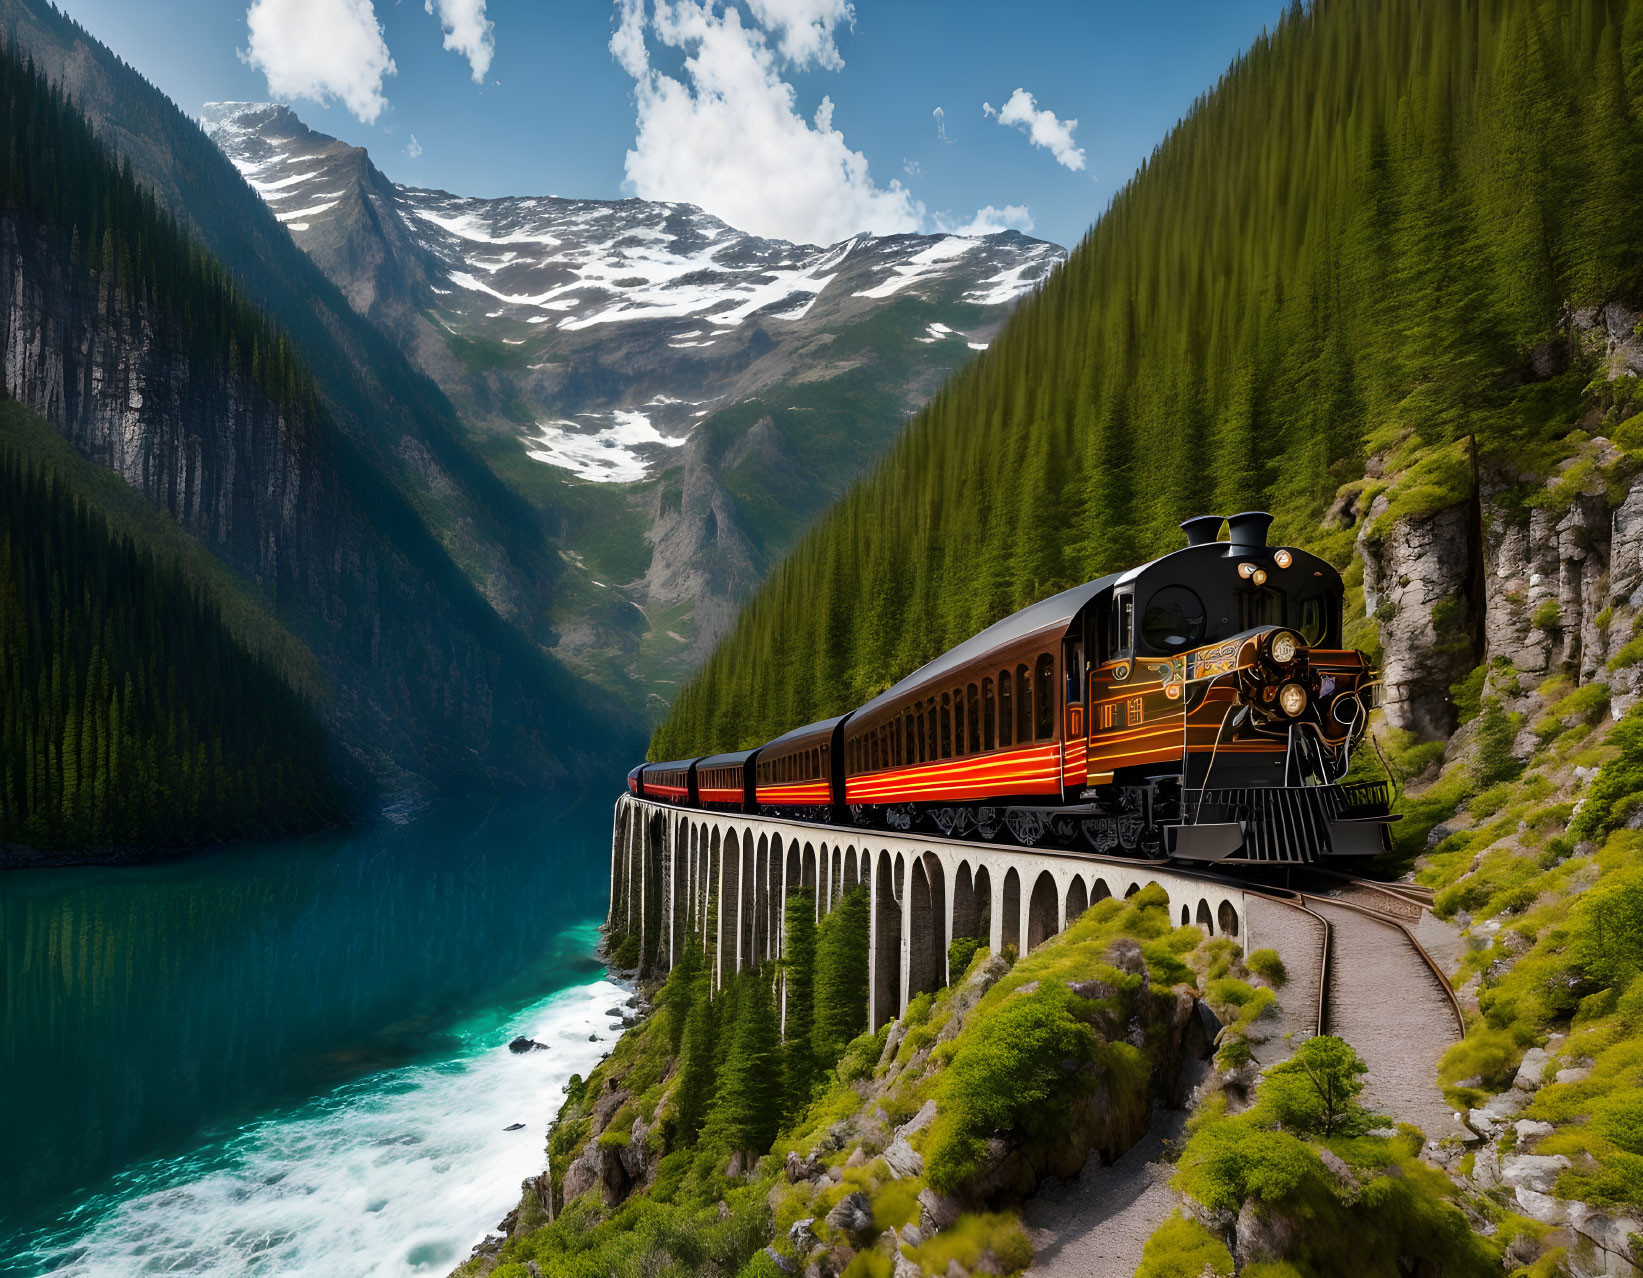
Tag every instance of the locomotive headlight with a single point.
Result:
(1283, 647)
(1258, 576)
(1283, 559)
(1247, 571)
(1292, 699)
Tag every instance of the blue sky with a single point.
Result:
(719, 104)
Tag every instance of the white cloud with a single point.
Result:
(413, 148)
(320, 49)
(991, 220)
(726, 135)
(805, 28)
(912, 168)
(1041, 126)
(468, 32)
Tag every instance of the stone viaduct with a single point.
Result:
(679, 873)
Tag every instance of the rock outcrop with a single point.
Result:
(1559, 585)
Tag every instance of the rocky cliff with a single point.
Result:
(424, 686)
(1541, 570)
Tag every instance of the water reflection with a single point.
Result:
(142, 1007)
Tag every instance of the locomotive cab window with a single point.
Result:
(1123, 624)
(1262, 607)
(1044, 677)
(1174, 620)
(1313, 620)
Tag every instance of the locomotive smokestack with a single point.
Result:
(1201, 530)
(1248, 529)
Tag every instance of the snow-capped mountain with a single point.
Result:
(627, 340)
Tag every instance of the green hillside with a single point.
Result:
(1351, 248)
(130, 714)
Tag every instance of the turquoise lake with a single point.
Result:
(291, 1058)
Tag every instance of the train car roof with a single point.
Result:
(672, 764)
(821, 728)
(724, 760)
(1057, 611)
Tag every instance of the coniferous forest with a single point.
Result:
(1351, 249)
(129, 715)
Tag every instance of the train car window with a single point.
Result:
(918, 721)
(1174, 620)
(907, 735)
(946, 726)
(1314, 621)
(1045, 679)
(1263, 608)
(972, 705)
(1004, 711)
(958, 721)
(826, 753)
(989, 714)
(873, 751)
(1123, 624)
(930, 725)
(1023, 705)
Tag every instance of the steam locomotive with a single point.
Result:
(1199, 706)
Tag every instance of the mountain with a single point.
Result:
(144, 700)
(720, 387)
(1317, 289)
(236, 391)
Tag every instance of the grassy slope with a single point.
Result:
(991, 1051)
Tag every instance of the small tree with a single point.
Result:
(748, 1107)
(798, 1055)
(841, 977)
(698, 1061)
(1316, 1089)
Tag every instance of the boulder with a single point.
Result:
(522, 1044)
(919, 1121)
(936, 1211)
(1538, 1172)
(514, 1127)
(1125, 955)
(1528, 1129)
(802, 1234)
(1262, 1234)
(780, 1261)
(1605, 1246)
(902, 1159)
(852, 1216)
(1531, 1069)
(798, 1169)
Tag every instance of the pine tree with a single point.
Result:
(799, 985)
(841, 977)
(747, 1108)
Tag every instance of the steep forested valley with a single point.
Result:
(1371, 242)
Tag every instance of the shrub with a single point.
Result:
(1618, 782)
(895, 1205)
(1494, 762)
(1266, 964)
(1547, 616)
(1182, 1248)
(960, 952)
(971, 1237)
(1011, 1076)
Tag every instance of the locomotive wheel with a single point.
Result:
(988, 823)
(1026, 825)
(950, 821)
(1065, 830)
(900, 816)
(859, 815)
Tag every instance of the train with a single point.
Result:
(1198, 707)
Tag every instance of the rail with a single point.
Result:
(1432, 964)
